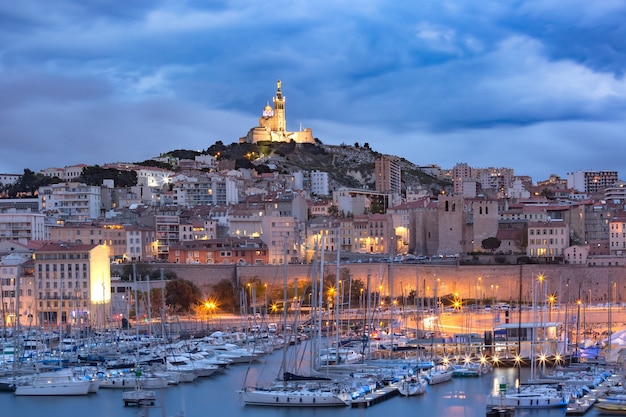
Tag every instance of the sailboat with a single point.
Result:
(439, 374)
(412, 384)
(138, 396)
(533, 395)
(293, 391)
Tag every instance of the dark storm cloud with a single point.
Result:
(470, 81)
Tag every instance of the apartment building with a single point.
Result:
(591, 182)
(141, 244)
(71, 201)
(461, 173)
(232, 250)
(72, 285)
(320, 183)
(548, 239)
(316, 182)
(388, 174)
(282, 236)
(112, 236)
(22, 226)
(206, 190)
(16, 286)
(246, 220)
(617, 235)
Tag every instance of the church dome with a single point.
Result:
(267, 108)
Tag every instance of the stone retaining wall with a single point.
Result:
(487, 282)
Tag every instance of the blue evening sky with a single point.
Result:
(537, 86)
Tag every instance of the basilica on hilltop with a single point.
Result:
(273, 125)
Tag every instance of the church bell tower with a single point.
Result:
(279, 109)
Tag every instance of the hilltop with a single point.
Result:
(347, 165)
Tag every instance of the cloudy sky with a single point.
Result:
(537, 86)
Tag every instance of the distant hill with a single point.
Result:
(348, 165)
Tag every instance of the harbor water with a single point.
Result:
(217, 396)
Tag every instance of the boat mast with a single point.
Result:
(136, 314)
(285, 341)
(337, 307)
(391, 305)
(519, 327)
(321, 295)
(314, 308)
(163, 313)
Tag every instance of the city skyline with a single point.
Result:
(536, 86)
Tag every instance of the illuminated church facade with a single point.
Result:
(273, 124)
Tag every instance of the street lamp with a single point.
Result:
(361, 299)
(249, 303)
(551, 301)
(341, 291)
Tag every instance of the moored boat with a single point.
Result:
(412, 385)
(530, 396)
(61, 382)
(438, 375)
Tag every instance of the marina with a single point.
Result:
(339, 359)
(219, 393)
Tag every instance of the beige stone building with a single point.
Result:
(72, 285)
(547, 239)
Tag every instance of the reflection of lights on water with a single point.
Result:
(459, 395)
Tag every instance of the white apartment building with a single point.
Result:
(141, 244)
(23, 226)
(320, 183)
(616, 193)
(152, 176)
(206, 191)
(591, 181)
(70, 201)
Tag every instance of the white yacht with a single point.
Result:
(301, 394)
(233, 352)
(530, 396)
(61, 382)
(334, 356)
(439, 374)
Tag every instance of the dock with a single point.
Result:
(376, 397)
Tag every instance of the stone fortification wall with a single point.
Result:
(501, 282)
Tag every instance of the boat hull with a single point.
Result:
(527, 401)
(78, 388)
(293, 398)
